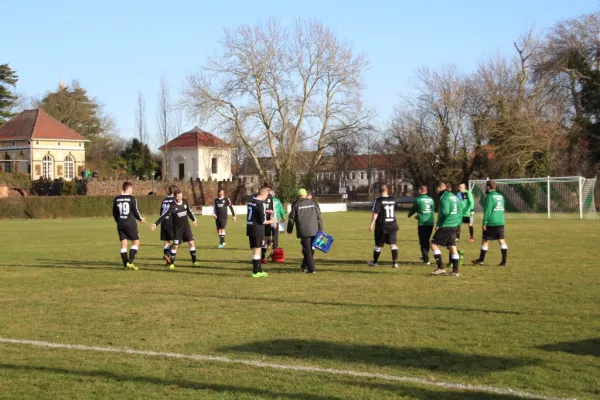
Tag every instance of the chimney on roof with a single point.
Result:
(61, 84)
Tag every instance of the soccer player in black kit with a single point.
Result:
(220, 213)
(166, 228)
(255, 230)
(125, 212)
(270, 212)
(179, 212)
(385, 226)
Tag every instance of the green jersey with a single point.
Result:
(467, 202)
(450, 213)
(493, 209)
(279, 210)
(423, 206)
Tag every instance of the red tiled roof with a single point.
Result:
(195, 138)
(36, 124)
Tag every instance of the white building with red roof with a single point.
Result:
(198, 154)
(34, 143)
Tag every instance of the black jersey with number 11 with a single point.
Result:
(385, 208)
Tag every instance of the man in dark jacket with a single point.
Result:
(306, 215)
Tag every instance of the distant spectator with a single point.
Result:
(95, 174)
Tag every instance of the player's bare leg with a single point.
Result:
(124, 256)
(437, 254)
(193, 254)
(394, 256)
(167, 251)
(482, 253)
(504, 251)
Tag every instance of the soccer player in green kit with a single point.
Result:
(449, 217)
(423, 206)
(468, 206)
(493, 224)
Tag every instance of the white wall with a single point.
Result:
(198, 163)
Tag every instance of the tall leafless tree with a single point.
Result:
(164, 110)
(270, 86)
(140, 120)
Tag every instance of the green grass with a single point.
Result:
(534, 326)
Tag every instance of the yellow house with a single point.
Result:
(34, 143)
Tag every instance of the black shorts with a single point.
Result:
(444, 237)
(467, 220)
(166, 233)
(183, 237)
(425, 235)
(221, 223)
(383, 238)
(493, 233)
(268, 230)
(256, 241)
(126, 233)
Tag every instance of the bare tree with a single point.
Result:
(277, 86)
(140, 120)
(163, 119)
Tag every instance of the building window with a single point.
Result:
(37, 142)
(79, 144)
(69, 167)
(59, 143)
(48, 167)
(14, 144)
(362, 175)
(214, 166)
(353, 175)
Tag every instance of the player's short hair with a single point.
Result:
(441, 186)
(449, 187)
(266, 185)
(383, 188)
(263, 191)
(127, 185)
(177, 191)
(221, 190)
(423, 188)
(491, 185)
(171, 189)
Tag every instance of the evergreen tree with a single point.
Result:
(8, 77)
(73, 107)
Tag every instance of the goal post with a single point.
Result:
(549, 197)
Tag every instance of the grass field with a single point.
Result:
(533, 327)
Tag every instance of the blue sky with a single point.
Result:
(115, 48)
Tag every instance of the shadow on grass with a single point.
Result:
(108, 266)
(342, 304)
(587, 347)
(418, 393)
(171, 383)
(405, 357)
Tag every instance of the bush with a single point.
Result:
(15, 179)
(70, 207)
(286, 186)
(58, 187)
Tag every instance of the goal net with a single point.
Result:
(571, 196)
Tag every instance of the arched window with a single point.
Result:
(69, 167)
(8, 163)
(48, 167)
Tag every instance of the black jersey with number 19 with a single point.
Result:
(125, 211)
(385, 208)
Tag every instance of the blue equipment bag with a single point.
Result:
(322, 242)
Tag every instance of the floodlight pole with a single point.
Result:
(152, 173)
(581, 179)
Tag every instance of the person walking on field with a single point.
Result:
(424, 208)
(449, 217)
(307, 217)
(468, 206)
(493, 224)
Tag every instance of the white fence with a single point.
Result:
(242, 210)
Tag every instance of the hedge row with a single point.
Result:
(15, 179)
(70, 207)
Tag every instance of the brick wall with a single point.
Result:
(197, 192)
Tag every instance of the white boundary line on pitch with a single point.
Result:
(260, 364)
